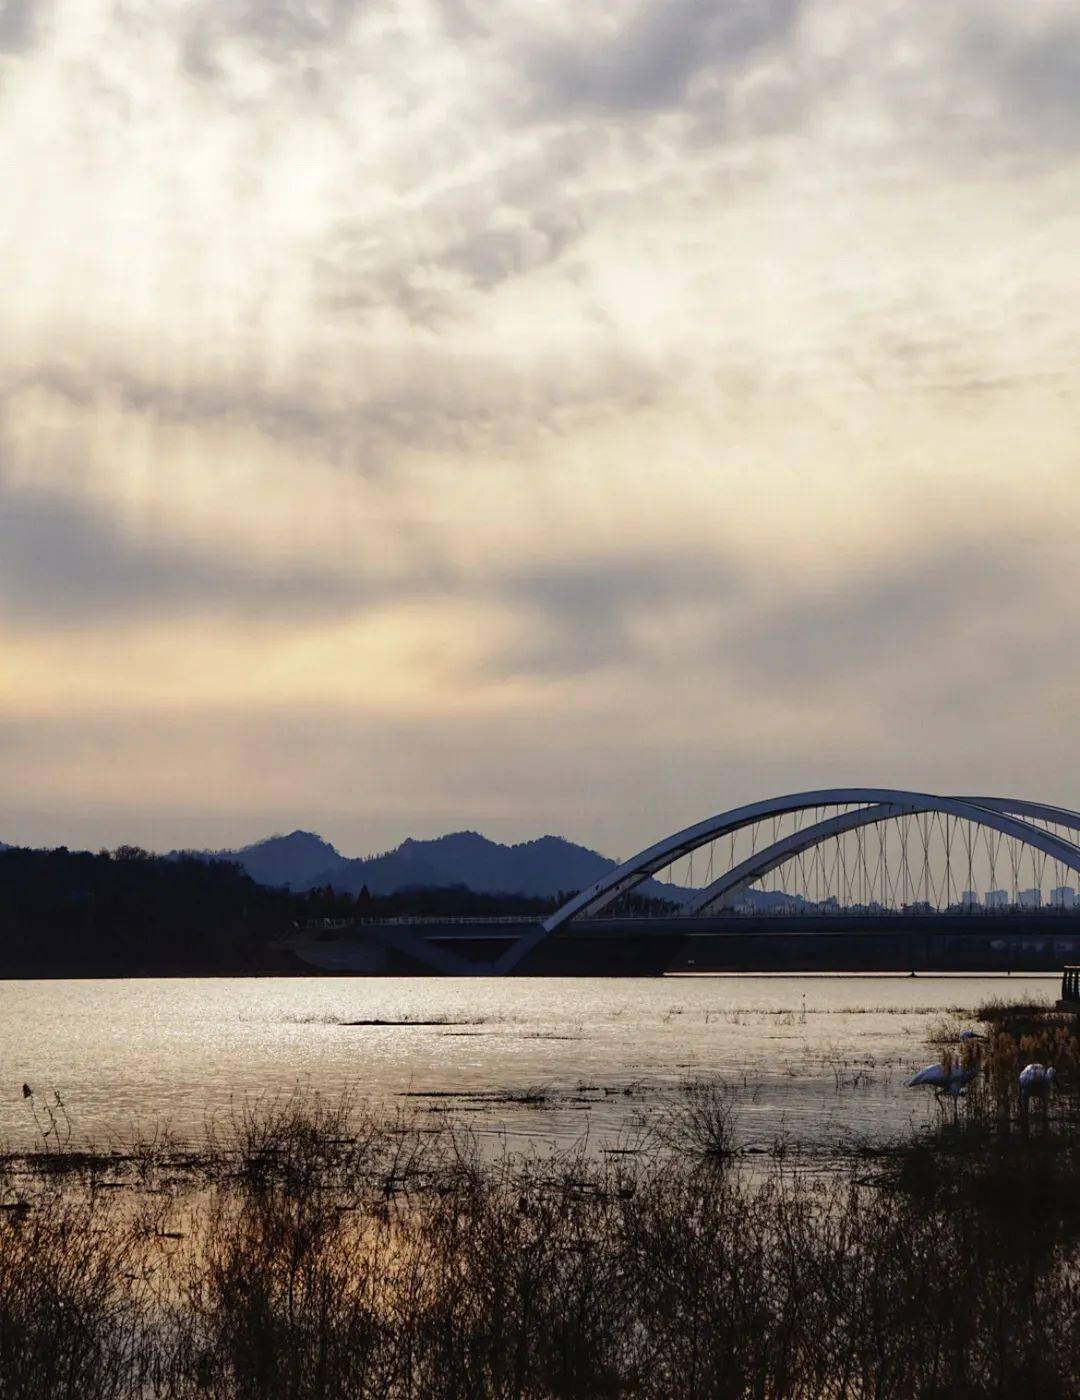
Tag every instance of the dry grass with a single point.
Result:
(309, 1250)
(699, 1121)
(1025, 1033)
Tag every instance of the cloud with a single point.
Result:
(403, 403)
(62, 563)
(278, 30)
(475, 241)
(492, 256)
(666, 393)
(196, 399)
(868, 633)
(905, 622)
(65, 563)
(647, 63)
(19, 24)
(591, 614)
(1034, 70)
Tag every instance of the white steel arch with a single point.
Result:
(1040, 811)
(1001, 814)
(768, 858)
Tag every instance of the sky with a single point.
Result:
(569, 417)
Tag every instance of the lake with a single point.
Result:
(819, 1059)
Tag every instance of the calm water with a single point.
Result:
(821, 1058)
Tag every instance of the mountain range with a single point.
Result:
(543, 868)
(547, 866)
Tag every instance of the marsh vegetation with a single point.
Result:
(311, 1247)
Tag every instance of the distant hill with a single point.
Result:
(292, 861)
(545, 867)
(449, 870)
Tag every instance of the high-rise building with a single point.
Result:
(1031, 899)
(997, 899)
(969, 899)
(1064, 897)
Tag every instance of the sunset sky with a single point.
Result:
(574, 416)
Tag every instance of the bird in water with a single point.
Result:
(970, 1035)
(1036, 1082)
(951, 1079)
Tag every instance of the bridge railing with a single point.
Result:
(1070, 984)
(454, 919)
(407, 920)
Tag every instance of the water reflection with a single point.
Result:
(819, 1060)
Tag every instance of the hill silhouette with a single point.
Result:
(544, 867)
(296, 861)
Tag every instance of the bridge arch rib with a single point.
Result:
(1010, 817)
(769, 858)
(1038, 811)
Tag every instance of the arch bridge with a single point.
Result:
(829, 850)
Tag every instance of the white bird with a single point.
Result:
(944, 1081)
(1036, 1081)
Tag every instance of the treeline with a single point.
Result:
(129, 913)
(72, 913)
(448, 901)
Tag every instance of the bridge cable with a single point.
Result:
(970, 843)
(1014, 861)
(879, 828)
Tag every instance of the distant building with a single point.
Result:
(1064, 897)
(997, 899)
(969, 899)
(1031, 899)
